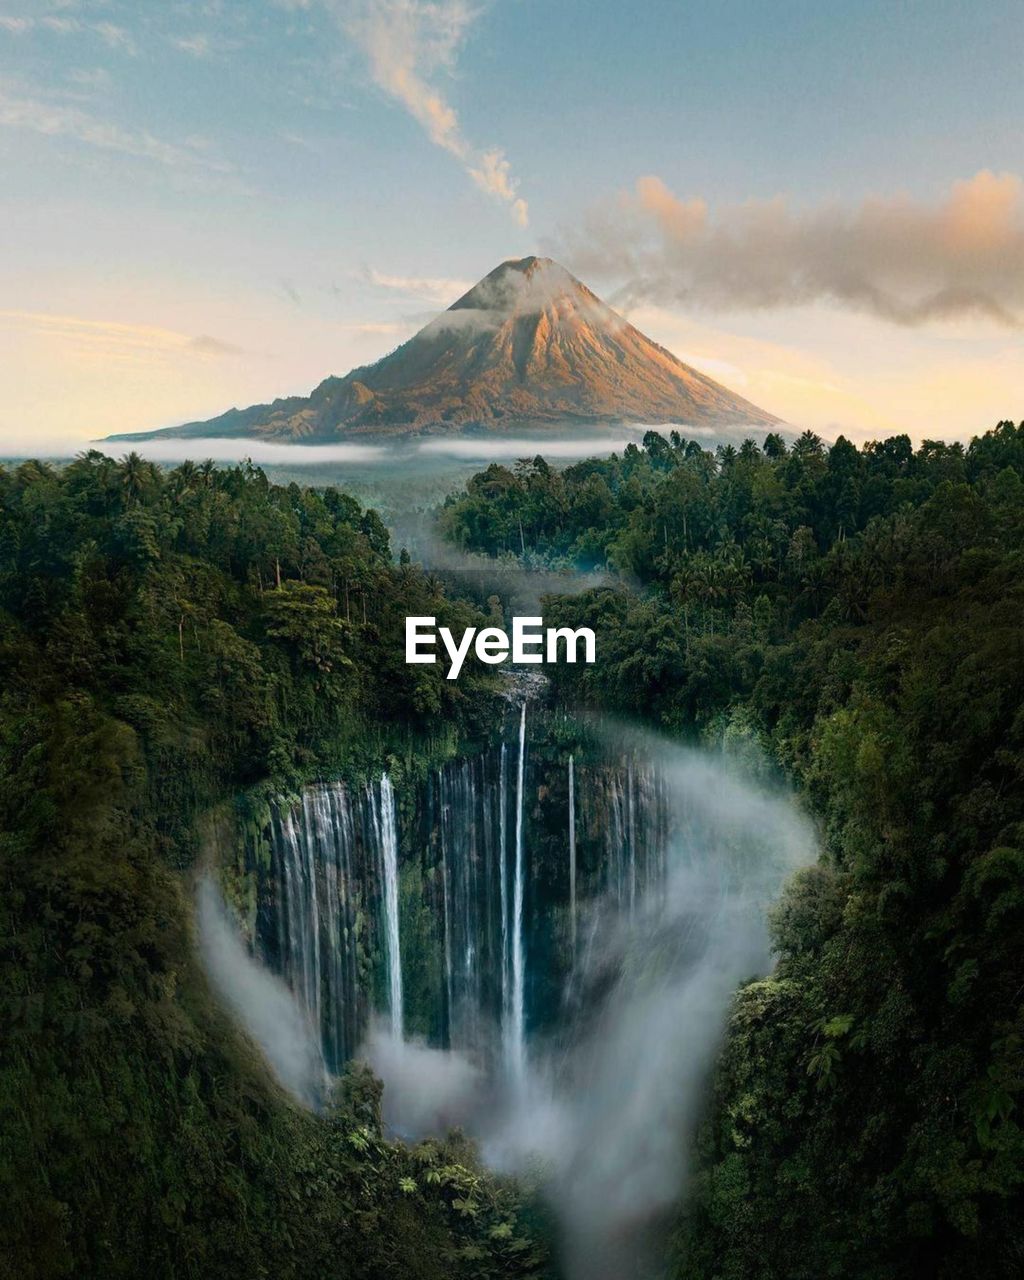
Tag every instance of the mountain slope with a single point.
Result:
(528, 346)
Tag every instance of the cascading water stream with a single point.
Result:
(516, 1044)
(446, 894)
(334, 858)
(572, 855)
(392, 936)
(469, 928)
(488, 959)
(631, 833)
(467, 824)
(506, 992)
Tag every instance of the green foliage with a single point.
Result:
(858, 612)
(173, 646)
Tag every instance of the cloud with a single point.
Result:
(426, 1090)
(61, 26)
(408, 44)
(492, 175)
(509, 291)
(260, 1000)
(508, 447)
(223, 449)
(58, 121)
(116, 37)
(116, 340)
(113, 36)
(440, 290)
(902, 260)
(198, 45)
(205, 345)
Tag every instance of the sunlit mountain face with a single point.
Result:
(528, 346)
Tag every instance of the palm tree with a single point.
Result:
(185, 477)
(137, 476)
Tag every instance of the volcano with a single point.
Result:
(530, 346)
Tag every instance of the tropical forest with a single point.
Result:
(703, 961)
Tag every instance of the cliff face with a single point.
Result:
(529, 345)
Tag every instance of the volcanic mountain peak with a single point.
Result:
(521, 286)
(527, 346)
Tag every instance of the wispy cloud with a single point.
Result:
(112, 35)
(898, 259)
(116, 37)
(492, 174)
(60, 26)
(198, 45)
(440, 290)
(56, 120)
(205, 345)
(67, 24)
(409, 45)
(112, 340)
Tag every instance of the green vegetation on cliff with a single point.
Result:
(172, 642)
(167, 641)
(860, 611)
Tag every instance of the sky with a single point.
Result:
(208, 203)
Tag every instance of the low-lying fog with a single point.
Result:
(272, 453)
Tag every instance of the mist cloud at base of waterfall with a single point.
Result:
(261, 1001)
(606, 1111)
(609, 1118)
(427, 1091)
(616, 1118)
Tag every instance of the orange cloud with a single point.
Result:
(902, 260)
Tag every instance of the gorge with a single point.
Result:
(537, 942)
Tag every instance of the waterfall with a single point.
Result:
(572, 855)
(389, 851)
(333, 872)
(506, 992)
(516, 1045)
(631, 837)
(615, 839)
(466, 828)
(313, 892)
(439, 930)
(449, 991)
(583, 1010)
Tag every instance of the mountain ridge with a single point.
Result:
(528, 346)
